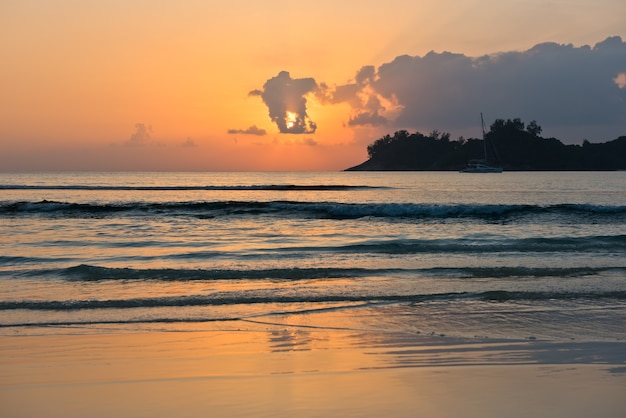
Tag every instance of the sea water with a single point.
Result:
(513, 255)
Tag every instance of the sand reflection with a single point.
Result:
(306, 372)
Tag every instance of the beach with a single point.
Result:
(312, 294)
(286, 372)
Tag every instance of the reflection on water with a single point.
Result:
(290, 340)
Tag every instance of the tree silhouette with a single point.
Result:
(533, 129)
(512, 144)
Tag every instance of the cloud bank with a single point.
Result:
(560, 86)
(554, 84)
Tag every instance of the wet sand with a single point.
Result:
(285, 372)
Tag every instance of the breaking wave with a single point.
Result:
(331, 210)
(229, 299)
(85, 272)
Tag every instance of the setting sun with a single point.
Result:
(291, 119)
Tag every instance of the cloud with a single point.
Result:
(252, 130)
(367, 118)
(189, 143)
(555, 84)
(141, 136)
(309, 141)
(368, 106)
(286, 100)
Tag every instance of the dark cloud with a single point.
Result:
(367, 118)
(252, 130)
(369, 112)
(141, 136)
(286, 100)
(557, 85)
(368, 106)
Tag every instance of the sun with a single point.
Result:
(290, 119)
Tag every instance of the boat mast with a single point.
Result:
(482, 124)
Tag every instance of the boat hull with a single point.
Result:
(481, 168)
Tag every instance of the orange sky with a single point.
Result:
(158, 85)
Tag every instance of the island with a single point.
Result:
(510, 144)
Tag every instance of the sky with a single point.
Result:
(286, 85)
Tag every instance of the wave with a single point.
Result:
(219, 300)
(604, 244)
(522, 272)
(20, 260)
(85, 272)
(496, 245)
(266, 187)
(329, 210)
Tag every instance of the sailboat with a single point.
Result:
(481, 166)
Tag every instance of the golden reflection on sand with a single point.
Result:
(296, 371)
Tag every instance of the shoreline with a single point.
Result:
(294, 371)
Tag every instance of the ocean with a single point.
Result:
(517, 255)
